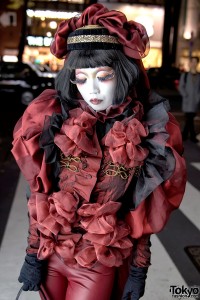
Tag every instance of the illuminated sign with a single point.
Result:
(39, 41)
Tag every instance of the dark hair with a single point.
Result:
(126, 71)
(194, 57)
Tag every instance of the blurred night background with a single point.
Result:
(27, 67)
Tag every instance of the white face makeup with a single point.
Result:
(96, 86)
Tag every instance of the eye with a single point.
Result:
(78, 81)
(106, 77)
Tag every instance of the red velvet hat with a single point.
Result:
(86, 31)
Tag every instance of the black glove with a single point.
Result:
(31, 273)
(135, 285)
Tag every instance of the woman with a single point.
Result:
(103, 159)
(189, 88)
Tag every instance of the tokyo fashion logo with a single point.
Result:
(181, 292)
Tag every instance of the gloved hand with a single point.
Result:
(135, 285)
(31, 273)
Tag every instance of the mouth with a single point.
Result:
(95, 101)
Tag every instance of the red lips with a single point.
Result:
(96, 101)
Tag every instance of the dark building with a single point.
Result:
(173, 27)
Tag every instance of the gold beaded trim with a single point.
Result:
(92, 39)
(91, 26)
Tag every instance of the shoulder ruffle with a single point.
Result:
(33, 118)
(161, 184)
(26, 150)
(160, 163)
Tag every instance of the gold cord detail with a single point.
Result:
(120, 170)
(66, 162)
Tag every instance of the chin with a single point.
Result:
(99, 109)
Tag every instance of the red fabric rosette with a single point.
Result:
(47, 224)
(86, 257)
(131, 35)
(108, 237)
(63, 206)
(76, 134)
(46, 247)
(55, 215)
(110, 256)
(99, 218)
(123, 142)
(65, 248)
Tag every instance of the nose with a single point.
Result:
(93, 86)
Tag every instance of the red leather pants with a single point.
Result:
(65, 283)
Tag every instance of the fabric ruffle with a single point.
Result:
(160, 162)
(123, 141)
(76, 135)
(108, 236)
(56, 215)
(112, 111)
(67, 222)
(64, 247)
(105, 237)
(161, 184)
(56, 212)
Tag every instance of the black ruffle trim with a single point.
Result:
(52, 125)
(160, 163)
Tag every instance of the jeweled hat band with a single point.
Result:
(92, 37)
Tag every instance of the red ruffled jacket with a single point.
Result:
(81, 222)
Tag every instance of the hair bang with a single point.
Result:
(78, 59)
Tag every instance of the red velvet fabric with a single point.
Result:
(131, 35)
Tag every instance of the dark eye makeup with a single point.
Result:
(107, 77)
(100, 78)
(78, 81)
